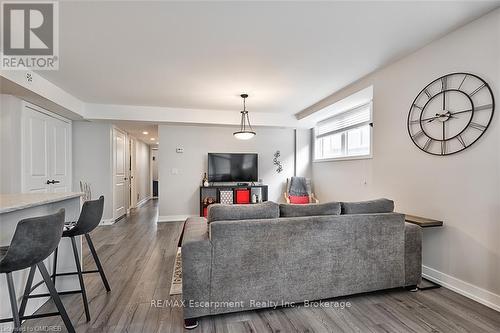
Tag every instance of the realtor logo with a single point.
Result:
(30, 35)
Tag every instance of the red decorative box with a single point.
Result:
(242, 196)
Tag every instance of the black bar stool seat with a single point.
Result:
(89, 219)
(34, 240)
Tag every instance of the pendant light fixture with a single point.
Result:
(246, 132)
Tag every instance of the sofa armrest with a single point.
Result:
(413, 254)
(196, 266)
(195, 230)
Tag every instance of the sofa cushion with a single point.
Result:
(291, 210)
(368, 207)
(221, 212)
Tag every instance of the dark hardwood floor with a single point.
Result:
(138, 257)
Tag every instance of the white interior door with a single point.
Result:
(120, 183)
(35, 151)
(60, 156)
(46, 152)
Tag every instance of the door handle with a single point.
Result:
(52, 182)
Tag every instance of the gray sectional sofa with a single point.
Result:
(255, 256)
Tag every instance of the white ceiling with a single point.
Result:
(202, 55)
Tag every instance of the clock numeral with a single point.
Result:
(417, 135)
(477, 126)
(418, 107)
(477, 90)
(427, 144)
(444, 83)
(461, 83)
(443, 147)
(483, 107)
(428, 93)
(461, 140)
(414, 122)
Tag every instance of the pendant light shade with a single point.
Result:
(246, 132)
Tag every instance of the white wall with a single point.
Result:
(142, 181)
(303, 153)
(10, 144)
(92, 161)
(461, 189)
(179, 193)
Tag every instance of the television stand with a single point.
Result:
(213, 193)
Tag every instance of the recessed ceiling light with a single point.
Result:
(145, 132)
(152, 139)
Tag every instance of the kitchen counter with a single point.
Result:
(13, 202)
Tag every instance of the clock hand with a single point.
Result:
(431, 118)
(444, 100)
(464, 111)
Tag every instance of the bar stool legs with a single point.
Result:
(80, 272)
(54, 267)
(80, 278)
(18, 315)
(13, 302)
(55, 297)
(27, 290)
(97, 262)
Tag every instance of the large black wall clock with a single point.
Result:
(451, 113)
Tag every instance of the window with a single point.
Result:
(347, 135)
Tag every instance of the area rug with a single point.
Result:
(176, 284)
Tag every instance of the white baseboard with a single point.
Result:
(173, 218)
(107, 222)
(466, 289)
(142, 202)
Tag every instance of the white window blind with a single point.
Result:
(344, 121)
(345, 135)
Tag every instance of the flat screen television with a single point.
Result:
(224, 167)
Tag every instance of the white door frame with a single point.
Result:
(120, 177)
(133, 171)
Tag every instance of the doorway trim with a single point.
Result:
(124, 174)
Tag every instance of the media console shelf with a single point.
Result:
(214, 192)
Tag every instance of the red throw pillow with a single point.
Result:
(303, 199)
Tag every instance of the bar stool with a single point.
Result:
(89, 219)
(34, 240)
